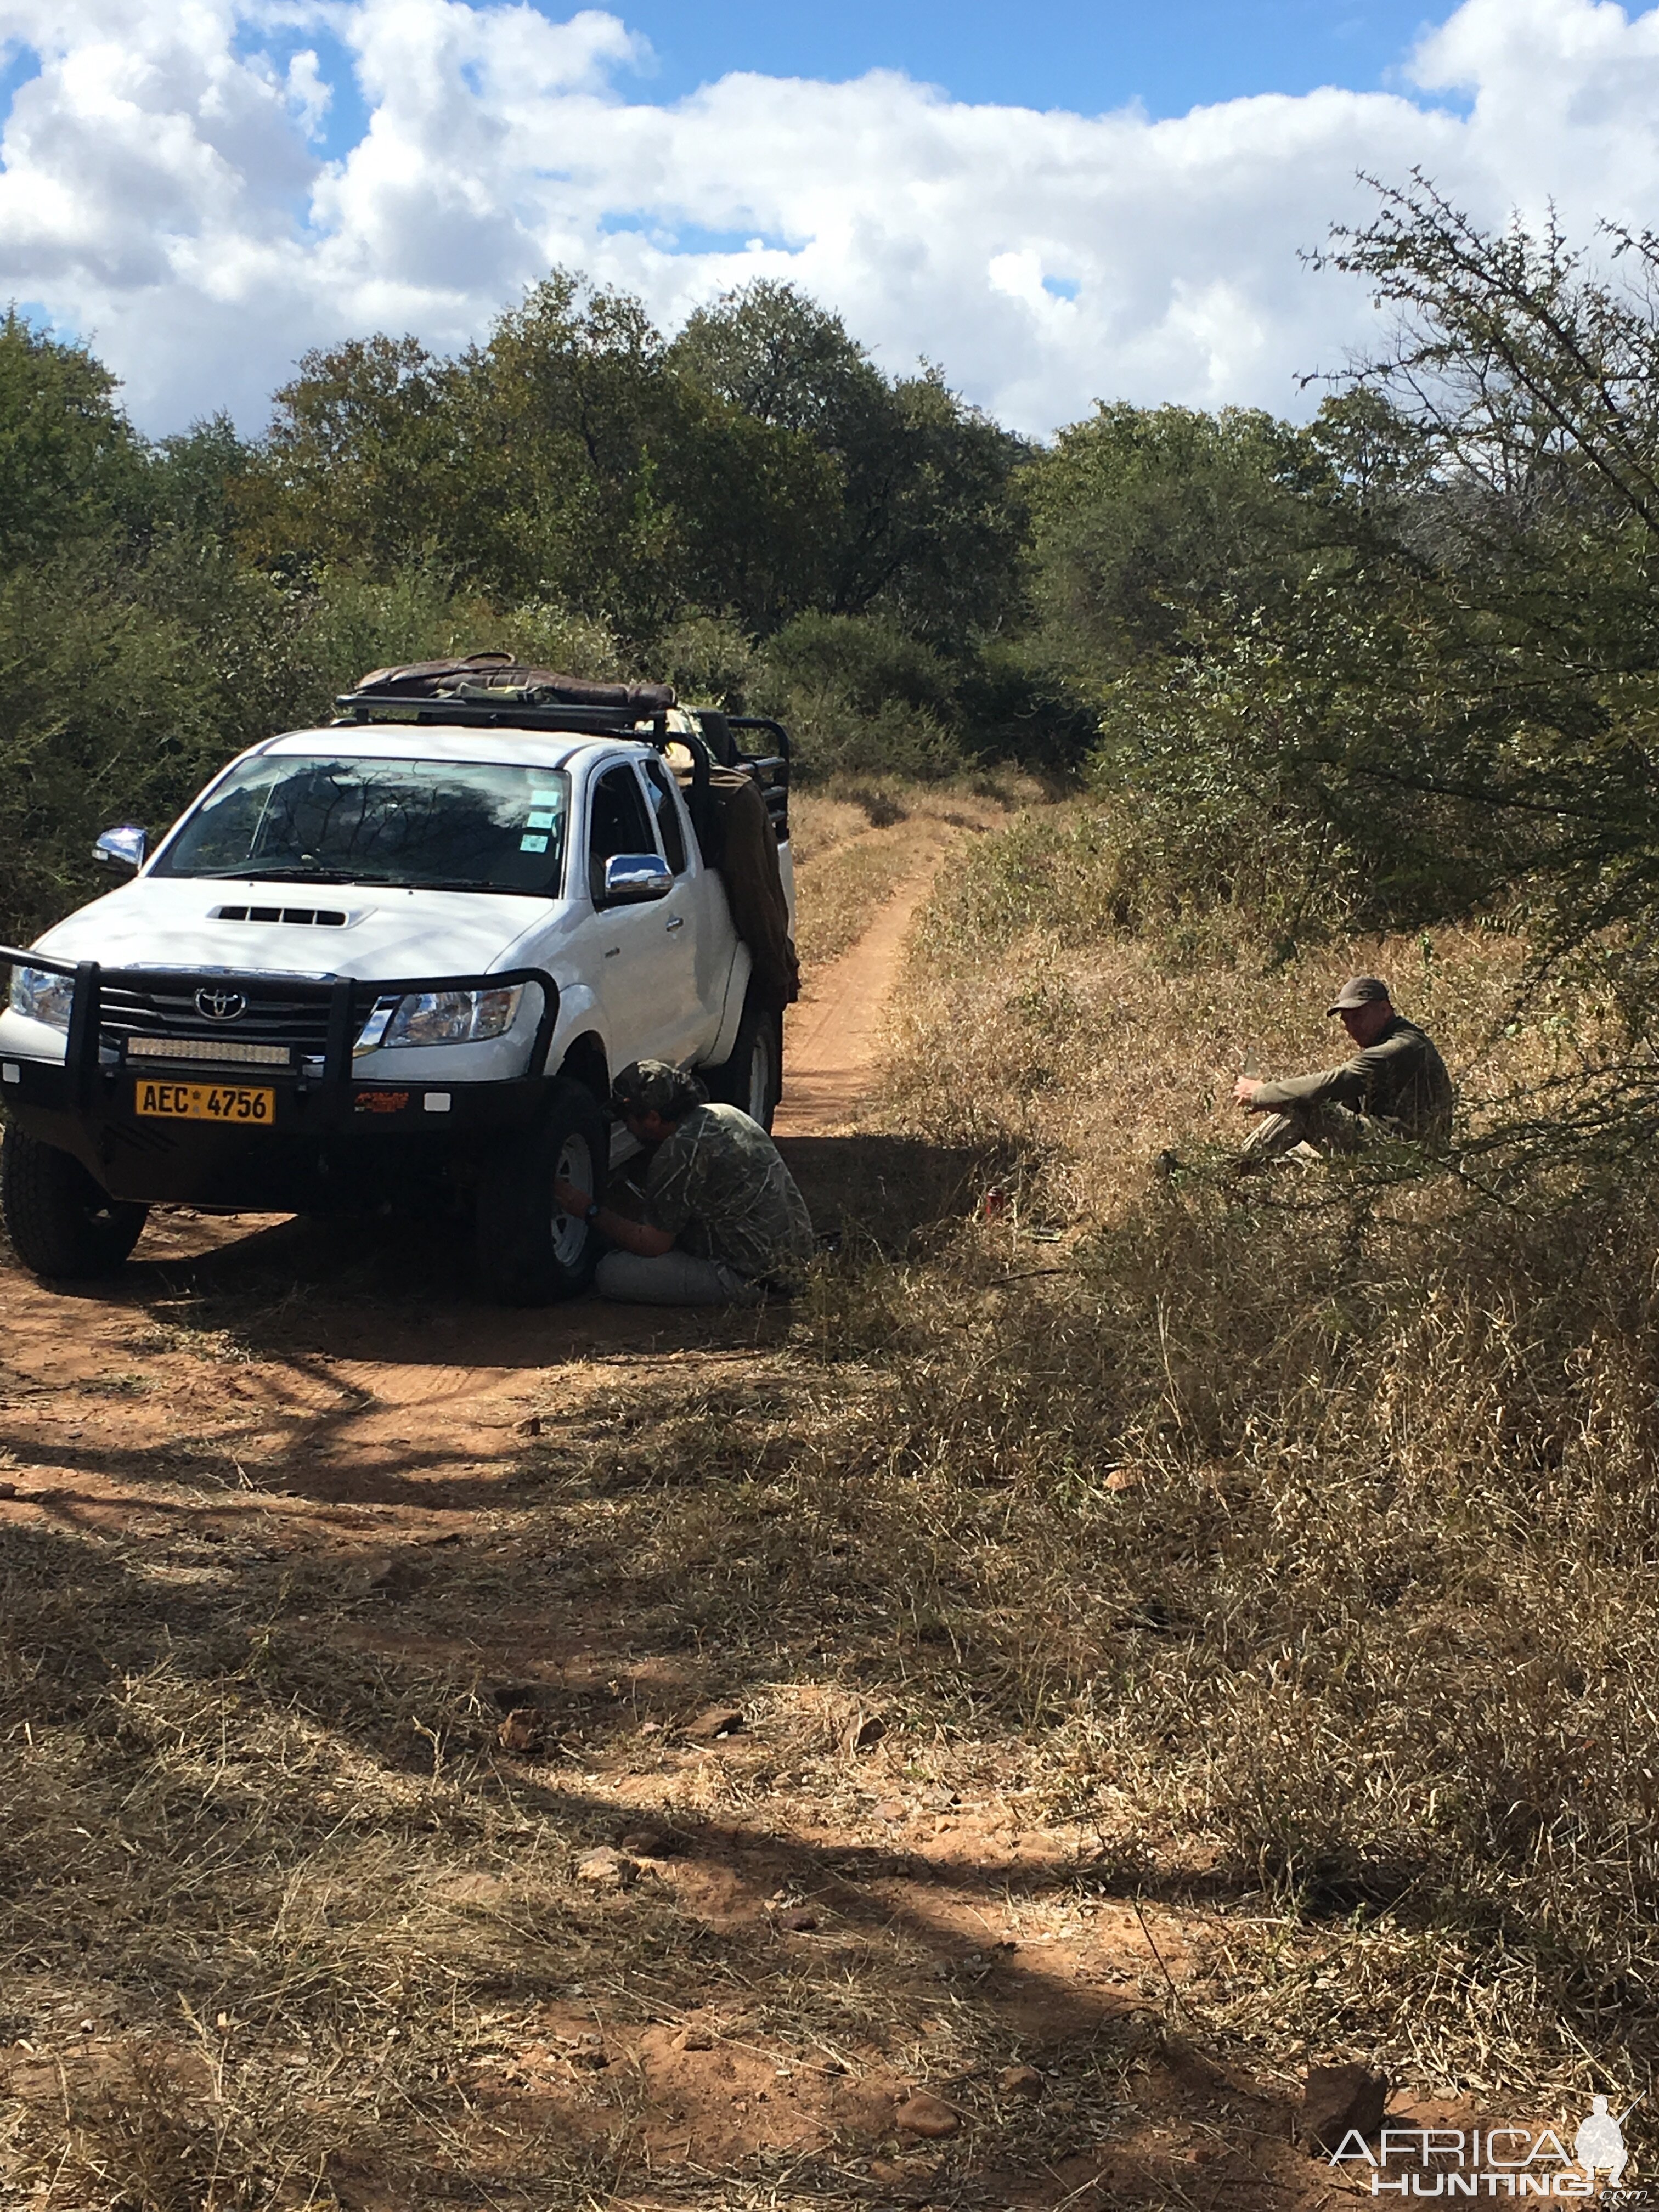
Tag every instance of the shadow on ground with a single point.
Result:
(399, 1289)
(890, 1188)
(279, 1802)
(294, 1524)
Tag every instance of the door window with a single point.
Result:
(616, 823)
(665, 805)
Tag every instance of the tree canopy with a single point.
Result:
(1397, 662)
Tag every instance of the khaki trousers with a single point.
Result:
(674, 1278)
(1325, 1130)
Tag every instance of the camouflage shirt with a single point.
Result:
(1401, 1080)
(718, 1187)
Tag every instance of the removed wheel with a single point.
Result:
(60, 1221)
(528, 1250)
(753, 1077)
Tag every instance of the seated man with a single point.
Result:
(724, 1221)
(1395, 1086)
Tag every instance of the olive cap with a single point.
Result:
(1360, 991)
(652, 1086)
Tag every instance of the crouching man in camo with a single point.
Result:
(724, 1223)
(1394, 1085)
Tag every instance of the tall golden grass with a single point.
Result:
(1323, 1516)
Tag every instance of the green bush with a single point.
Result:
(862, 697)
(709, 662)
(105, 714)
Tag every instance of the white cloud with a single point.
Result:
(162, 192)
(309, 95)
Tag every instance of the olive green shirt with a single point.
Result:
(718, 1187)
(1401, 1080)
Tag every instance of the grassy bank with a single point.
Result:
(1336, 1508)
(854, 840)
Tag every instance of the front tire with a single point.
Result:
(753, 1077)
(528, 1252)
(60, 1221)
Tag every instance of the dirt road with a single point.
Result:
(453, 1755)
(368, 1360)
(833, 1054)
(303, 1362)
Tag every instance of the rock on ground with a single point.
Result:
(1338, 2098)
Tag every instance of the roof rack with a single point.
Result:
(472, 714)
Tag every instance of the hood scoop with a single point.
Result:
(299, 917)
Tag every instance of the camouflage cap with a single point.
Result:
(1360, 991)
(652, 1086)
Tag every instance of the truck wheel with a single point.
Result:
(753, 1077)
(61, 1221)
(528, 1251)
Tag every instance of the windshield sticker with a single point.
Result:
(545, 798)
(533, 844)
(539, 822)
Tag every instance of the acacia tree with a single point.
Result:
(1150, 522)
(71, 470)
(1453, 694)
(605, 477)
(1527, 379)
(357, 466)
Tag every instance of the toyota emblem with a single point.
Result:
(220, 1005)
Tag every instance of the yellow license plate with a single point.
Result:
(208, 1102)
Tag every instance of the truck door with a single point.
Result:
(696, 931)
(633, 948)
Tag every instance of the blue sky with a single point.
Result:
(1053, 54)
(1171, 55)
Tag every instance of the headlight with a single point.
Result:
(42, 996)
(441, 1017)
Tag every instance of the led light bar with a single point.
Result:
(208, 1049)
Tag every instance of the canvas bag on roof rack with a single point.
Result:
(486, 676)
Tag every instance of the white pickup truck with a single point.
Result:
(392, 960)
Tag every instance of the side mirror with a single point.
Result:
(123, 848)
(633, 878)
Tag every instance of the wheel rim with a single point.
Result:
(760, 1078)
(570, 1234)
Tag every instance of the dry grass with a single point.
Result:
(855, 842)
(845, 888)
(1370, 1619)
(1260, 1571)
(285, 1927)
(822, 817)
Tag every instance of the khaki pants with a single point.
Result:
(674, 1278)
(1321, 1131)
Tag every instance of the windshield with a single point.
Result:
(440, 824)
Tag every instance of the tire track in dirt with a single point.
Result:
(832, 1041)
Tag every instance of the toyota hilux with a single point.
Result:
(392, 960)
